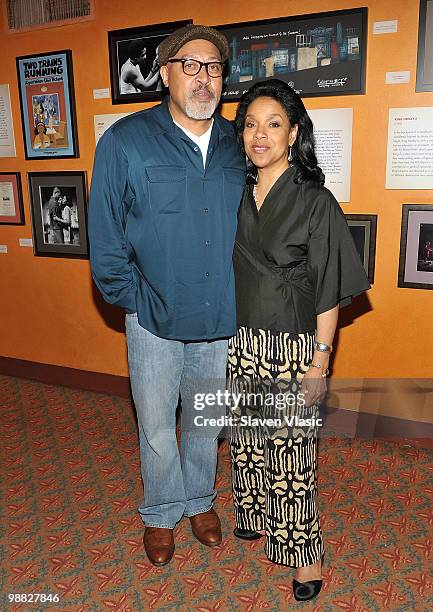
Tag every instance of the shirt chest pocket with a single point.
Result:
(166, 188)
(234, 182)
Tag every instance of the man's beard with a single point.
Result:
(195, 109)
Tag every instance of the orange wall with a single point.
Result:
(49, 311)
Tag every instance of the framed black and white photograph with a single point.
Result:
(416, 247)
(11, 199)
(134, 68)
(59, 213)
(424, 68)
(363, 229)
(322, 54)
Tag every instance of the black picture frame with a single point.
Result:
(47, 98)
(363, 229)
(336, 41)
(424, 65)
(118, 46)
(415, 270)
(11, 198)
(53, 236)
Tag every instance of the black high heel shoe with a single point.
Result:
(244, 534)
(304, 591)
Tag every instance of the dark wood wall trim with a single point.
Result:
(67, 377)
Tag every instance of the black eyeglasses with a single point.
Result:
(191, 67)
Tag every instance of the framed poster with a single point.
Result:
(134, 68)
(363, 229)
(46, 87)
(322, 54)
(415, 268)
(59, 213)
(424, 67)
(11, 199)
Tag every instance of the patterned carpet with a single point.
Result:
(69, 528)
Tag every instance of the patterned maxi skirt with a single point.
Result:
(274, 461)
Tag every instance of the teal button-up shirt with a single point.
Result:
(162, 227)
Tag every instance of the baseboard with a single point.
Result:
(66, 377)
(343, 422)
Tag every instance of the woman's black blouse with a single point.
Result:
(294, 258)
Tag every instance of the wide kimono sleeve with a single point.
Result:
(111, 268)
(335, 268)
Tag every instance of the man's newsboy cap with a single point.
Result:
(171, 45)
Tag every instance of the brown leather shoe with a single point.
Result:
(207, 528)
(159, 545)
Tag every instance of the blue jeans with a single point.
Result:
(176, 482)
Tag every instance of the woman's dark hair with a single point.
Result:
(135, 47)
(303, 155)
(36, 127)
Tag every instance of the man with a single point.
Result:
(131, 79)
(53, 227)
(166, 187)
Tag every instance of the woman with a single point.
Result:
(41, 140)
(75, 227)
(62, 217)
(295, 264)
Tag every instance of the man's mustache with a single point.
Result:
(206, 87)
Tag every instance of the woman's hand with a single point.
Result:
(313, 386)
(61, 221)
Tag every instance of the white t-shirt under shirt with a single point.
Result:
(201, 141)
